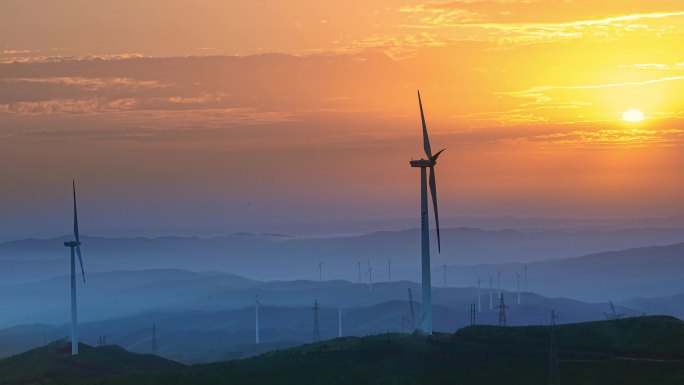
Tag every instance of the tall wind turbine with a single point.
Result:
(257, 307)
(75, 247)
(423, 164)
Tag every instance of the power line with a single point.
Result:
(316, 331)
(502, 310)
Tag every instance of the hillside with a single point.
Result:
(213, 335)
(54, 362)
(636, 351)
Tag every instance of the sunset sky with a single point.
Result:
(204, 114)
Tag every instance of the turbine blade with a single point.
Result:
(433, 190)
(73, 184)
(434, 157)
(80, 260)
(426, 140)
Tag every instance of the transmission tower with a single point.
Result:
(502, 310)
(154, 338)
(472, 315)
(554, 375)
(316, 331)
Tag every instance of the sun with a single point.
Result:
(633, 115)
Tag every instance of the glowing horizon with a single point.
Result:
(272, 111)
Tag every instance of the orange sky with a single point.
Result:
(265, 111)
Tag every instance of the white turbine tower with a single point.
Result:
(389, 270)
(320, 271)
(518, 276)
(257, 307)
(339, 322)
(75, 247)
(445, 275)
(423, 164)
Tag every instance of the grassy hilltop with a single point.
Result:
(643, 350)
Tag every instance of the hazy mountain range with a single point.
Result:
(272, 256)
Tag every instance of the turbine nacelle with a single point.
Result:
(72, 244)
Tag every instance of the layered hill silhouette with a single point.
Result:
(641, 350)
(54, 363)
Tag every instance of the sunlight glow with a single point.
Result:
(633, 115)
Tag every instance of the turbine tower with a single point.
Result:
(518, 276)
(445, 275)
(424, 164)
(339, 322)
(389, 270)
(257, 307)
(75, 247)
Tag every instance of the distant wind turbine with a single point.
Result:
(339, 323)
(389, 270)
(424, 164)
(518, 276)
(445, 275)
(320, 271)
(369, 272)
(75, 246)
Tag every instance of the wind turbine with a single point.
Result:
(370, 277)
(339, 322)
(257, 307)
(445, 275)
(320, 271)
(75, 247)
(389, 270)
(518, 276)
(423, 164)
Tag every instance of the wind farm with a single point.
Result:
(248, 216)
